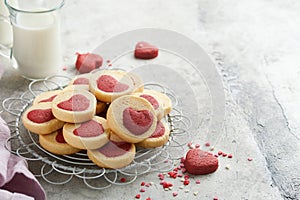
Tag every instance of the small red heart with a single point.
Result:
(77, 102)
(87, 62)
(89, 129)
(108, 83)
(144, 50)
(200, 162)
(137, 121)
(40, 115)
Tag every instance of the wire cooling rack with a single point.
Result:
(60, 169)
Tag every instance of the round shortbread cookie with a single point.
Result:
(74, 106)
(108, 85)
(132, 118)
(39, 119)
(87, 135)
(55, 143)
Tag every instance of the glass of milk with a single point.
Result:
(36, 36)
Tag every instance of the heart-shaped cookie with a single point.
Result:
(144, 50)
(200, 162)
(75, 103)
(137, 121)
(114, 149)
(108, 83)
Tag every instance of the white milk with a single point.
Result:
(6, 34)
(37, 45)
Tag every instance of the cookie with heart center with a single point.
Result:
(132, 118)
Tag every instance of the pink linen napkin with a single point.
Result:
(16, 181)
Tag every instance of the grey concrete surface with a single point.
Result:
(255, 47)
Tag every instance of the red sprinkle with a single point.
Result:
(186, 182)
(186, 176)
(142, 190)
(65, 68)
(182, 160)
(250, 159)
(143, 183)
(123, 180)
(175, 194)
(138, 196)
(215, 198)
(197, 145)
(197, 181)
(148, 198)
(148, 184)
(108, 61)
(229, 155)
(207, 144)
(183, 170)
(109, 64)
(220, 153)
(224, 154)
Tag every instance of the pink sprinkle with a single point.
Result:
(183, 170)
(109, 64)
(190, 144)
(215, 198)
(179, 175)
(229, 155)
(138, 196)
(147, 184)
(181, 165)
(197, 145)
(65, 68)
(224, 154)
(197, 181)
(148, 198)
(216, 156)
(142, 190)
(207, 144)
(220, 153)
(108, 61)
(175, 194)
(250, 159)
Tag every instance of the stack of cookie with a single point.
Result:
(107, 113)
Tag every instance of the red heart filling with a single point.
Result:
(40, 115)
(114, 149)
(81, 81)
(77, 102)
(59, 137)
(89, 129)
(137, 121)
(200, 162)
(151, 99)
(159, 131)
(50, 99)
(108, 83)
(144, 50)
